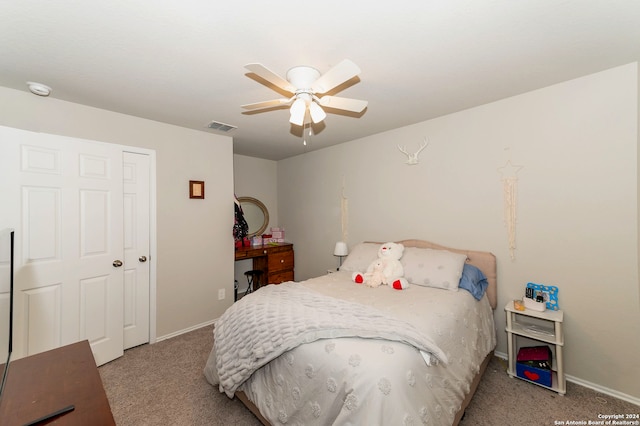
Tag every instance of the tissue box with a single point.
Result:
(277, 233)
(274, 240)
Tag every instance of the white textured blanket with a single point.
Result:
(278, 318)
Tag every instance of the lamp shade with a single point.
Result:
(298, 111)
(317, 114)
(341, 249)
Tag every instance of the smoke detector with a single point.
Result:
(39, 88)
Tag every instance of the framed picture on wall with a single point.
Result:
(196, 189)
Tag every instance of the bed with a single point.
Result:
(329, 351)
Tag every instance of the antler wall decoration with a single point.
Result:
(412, 159)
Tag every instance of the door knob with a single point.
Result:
(117, 263)
(142, 259)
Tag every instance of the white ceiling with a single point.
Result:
(183, 62)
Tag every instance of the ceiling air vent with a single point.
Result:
(222, 127)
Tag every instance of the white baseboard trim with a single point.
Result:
(590, 385)
(186, 330)
(602, 389)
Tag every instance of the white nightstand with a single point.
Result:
(544, 327)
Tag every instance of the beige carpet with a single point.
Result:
(163, 384)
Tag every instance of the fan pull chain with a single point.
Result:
(309, 133)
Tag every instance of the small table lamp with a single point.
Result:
(341, 250)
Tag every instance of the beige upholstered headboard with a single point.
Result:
(482, 259)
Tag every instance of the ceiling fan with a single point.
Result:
(307, 86)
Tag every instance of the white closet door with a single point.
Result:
(64, 198)
(136, 173)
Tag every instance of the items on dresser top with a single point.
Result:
(544, 296)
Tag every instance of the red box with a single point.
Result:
(535, 356)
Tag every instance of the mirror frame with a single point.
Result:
(262, 207)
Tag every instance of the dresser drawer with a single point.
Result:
(280, 248)
(280, 277)
(242, 254)
(280, 261)
(250, 252)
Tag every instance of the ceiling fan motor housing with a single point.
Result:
(302, 78)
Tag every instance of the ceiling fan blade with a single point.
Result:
(268, 104)
(354, 105)
(337, 75)
(270, 76)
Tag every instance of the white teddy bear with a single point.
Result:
(375, 278)
(388, 266)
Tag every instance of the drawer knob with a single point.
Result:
(281, 260)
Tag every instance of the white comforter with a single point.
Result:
(281, 317)
(350, 380)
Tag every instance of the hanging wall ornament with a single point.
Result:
(412, 159)
(509, 174)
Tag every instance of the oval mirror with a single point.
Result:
(256, 215)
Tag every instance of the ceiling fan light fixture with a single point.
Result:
(306, 84)
(298, 111)
(317, 113)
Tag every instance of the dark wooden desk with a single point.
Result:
(274, 260)
(43, 383)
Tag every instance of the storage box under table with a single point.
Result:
(537, 375)
(534, 364)
(535, 356)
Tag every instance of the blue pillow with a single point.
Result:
(474, 281)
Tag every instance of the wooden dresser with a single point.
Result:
(275, 260)
(41, 384)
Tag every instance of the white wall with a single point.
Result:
(577, 217)
(257, 178)
(194, 239)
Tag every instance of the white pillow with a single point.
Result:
(433, 268)
(360, 257)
